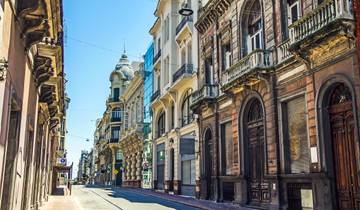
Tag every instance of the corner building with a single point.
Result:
(174, 128)
(278, 104)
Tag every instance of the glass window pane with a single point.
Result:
(186, 166)
(298, 149)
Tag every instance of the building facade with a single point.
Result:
(148, 91)
(175, 131)
(132, 136)
(110, 126)
(278, 103)
(32, 101)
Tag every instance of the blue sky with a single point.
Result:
(95, 32)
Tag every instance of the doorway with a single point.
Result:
(342, 125)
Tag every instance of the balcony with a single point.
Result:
(184, 27)
(328, 16)
(115, 119)
(185, 70)
(257, 61)
(155, 95)
(114, 140)
(157, 57)
(283, 52)
(205, 93)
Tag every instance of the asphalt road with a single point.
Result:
(91, 198)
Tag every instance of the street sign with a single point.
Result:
(62, 160)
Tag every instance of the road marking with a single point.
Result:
(107, 200)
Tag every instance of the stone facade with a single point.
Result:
(266, 87)
(33, 101)
(132, 138)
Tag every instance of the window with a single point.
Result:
(115, 133)
(209, 71)
(226, 56)
(172, 115)
(118, 155)
(189, 49)
(188, 172)
(116, 94)
(253, 36)
(227, 148)
(116, 114)
(161, 124)
(187, 115)
(297, 151)
(166, 70)
(167, 28)
(293, 11)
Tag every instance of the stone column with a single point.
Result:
(133, 167)
(138, 168)
(113, 175)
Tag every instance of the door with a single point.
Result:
(258, 190)
(208, 163)
(343, 145)
(172, 169)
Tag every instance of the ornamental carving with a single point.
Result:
(33, 19)
(42, 70)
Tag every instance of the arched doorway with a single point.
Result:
(208, 151)
(342, 125)
(254, 142)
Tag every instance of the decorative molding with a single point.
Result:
(3, 69)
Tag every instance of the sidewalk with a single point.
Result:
(60, 203)
(201, 204)
(61, 200)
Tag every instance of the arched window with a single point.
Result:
(186, 113)
(252, 26)
(161, 124)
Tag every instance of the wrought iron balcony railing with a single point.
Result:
(186, 69)
(206, 92)
(183, 22)
(327, 12)
(157, 56)
(155, 95)
(258, 59)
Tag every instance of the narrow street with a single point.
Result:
(87, 198)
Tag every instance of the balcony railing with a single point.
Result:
(115, 119)
(183, 22)
(155, 95)
(184, 69)
(283, 52)
(258, 59)
(114, 140)
(206, 92)
(157, 56)
(325, 13)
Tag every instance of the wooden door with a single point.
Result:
(208, 163)
(258, 189)
(343, 141)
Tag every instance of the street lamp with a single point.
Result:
(186, 11)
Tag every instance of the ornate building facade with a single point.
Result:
(278, 103)
(132, 136)
(175, 131)
(33, 102)
(108, 131)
